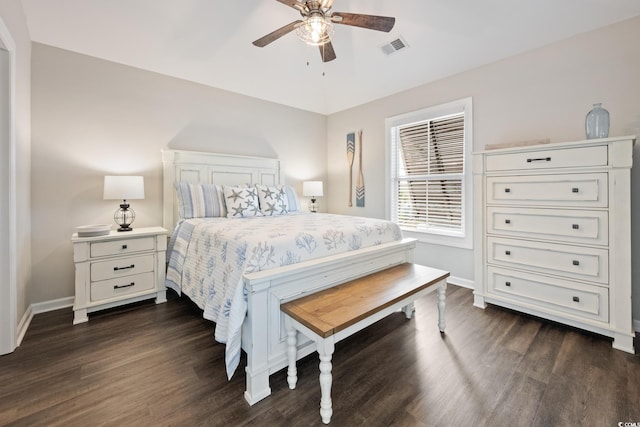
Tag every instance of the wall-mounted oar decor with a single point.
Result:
(360, 181)
(351, 148)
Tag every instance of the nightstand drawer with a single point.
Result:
(122, 246)
(562, 296)
(114, 288)
(542, 159)
(581, 263)
(121, 267)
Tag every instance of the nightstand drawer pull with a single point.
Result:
(124, 268)
(575, 190)
(539, 159)
(576, 299)
(507, 252)
(124, 246)
(507, 190)
(576, 262)
(507, 283)
(507, 221)
(124, 286)
(575, 226)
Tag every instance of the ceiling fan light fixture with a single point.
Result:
(315, 30)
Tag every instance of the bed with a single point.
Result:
(252, 306)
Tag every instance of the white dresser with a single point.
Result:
(117, 269)
(553, 233)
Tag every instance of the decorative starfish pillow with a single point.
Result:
(242, 201)
(273, 199)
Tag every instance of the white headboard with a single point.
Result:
(211, 168)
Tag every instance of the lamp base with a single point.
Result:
(313, 206)
(124, 217)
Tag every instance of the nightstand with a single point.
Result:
(118, 268)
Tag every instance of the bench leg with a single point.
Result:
(441, 306)
(408, 310)
(292, 372)
(325, 351)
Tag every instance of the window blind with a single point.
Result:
(428, 174)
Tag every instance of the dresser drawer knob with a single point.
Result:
(539, 159)
(576, 299)
(124, 268)
(507, 221)
(576, 262)
(128, 285)
(507, 190)
(575, 190)
(124, 246)
(507, 283)
(575, 226)
(507, 252)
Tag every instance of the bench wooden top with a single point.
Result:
(332, 310)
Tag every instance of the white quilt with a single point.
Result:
(208, 257)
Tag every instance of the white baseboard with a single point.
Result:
(459, 281)
(24, 324)
(40, 307)
(56, 304)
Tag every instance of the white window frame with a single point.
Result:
(462, 239)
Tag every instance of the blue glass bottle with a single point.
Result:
(597, 122)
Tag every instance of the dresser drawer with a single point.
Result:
(565, 225)
(544, 159)
(121, 267)
(568, 261)
(570, 190)
(562, 296)
(122, 246)
(113, 288)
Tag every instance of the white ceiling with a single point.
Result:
(209, 41)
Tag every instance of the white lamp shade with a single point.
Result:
(312, 189)
(123, 187)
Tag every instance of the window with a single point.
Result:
(429, 159)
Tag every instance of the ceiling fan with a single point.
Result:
(316, 27)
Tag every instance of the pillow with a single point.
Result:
(294, 203)
(241, 201)
(200, 200)
(273, 199)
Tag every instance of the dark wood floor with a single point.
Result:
(157, 365)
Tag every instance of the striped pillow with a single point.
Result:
(294, 203)
(200, 200)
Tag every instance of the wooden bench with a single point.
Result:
(336, 313)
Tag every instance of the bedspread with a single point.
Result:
(208, 257)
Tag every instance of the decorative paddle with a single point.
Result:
(351, 148)
(360, 182)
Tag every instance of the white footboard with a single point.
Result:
(264, 337)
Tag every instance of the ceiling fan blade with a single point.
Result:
(372, 22)
(326, 52)
(326, 4)
(275, 35)
(294, 4)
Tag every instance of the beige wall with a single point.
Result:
(93, 117)
(544, 93)
(13, 17)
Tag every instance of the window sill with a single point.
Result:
(439, 239)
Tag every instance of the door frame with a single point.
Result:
(8, 279)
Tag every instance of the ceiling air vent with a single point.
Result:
(394, 46)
